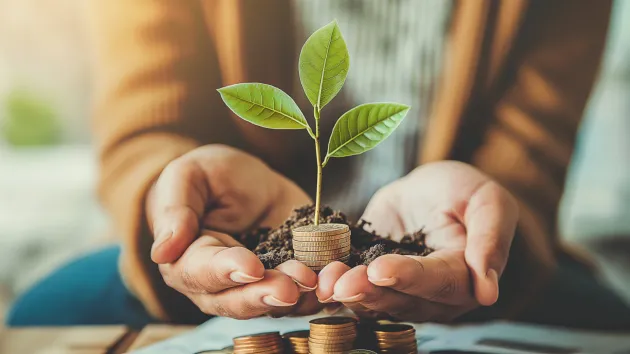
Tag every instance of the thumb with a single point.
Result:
(175, 205)
(383, 214)
(491, 219)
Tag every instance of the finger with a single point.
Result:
(307, 305)
(355, 291)
(350, 294)
(212, 267)
(491, 218)
(327, 278)
(275, 291)
(439, 277)
(303, 276)
(175, 206)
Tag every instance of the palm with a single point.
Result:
(434, 198)
(469, 221)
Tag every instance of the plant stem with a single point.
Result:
(318, 192)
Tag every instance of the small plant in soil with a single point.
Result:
(323, 67)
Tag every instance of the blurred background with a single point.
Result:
(48, 209)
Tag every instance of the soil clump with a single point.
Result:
(274, 246)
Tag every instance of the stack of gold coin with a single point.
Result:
(296, 342)
(318, 245)
(332, 335)
(396, 338)
(262, 343)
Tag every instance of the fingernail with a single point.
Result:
(493, 277)
(333, 309)
(242, 278)
(304, 288)
(160, 240)
(272, 301)
(355, 298)
(327, 301)
(383, 282)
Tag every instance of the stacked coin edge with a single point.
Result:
(332, 335)
(316, 246)
(396, 338)
(261, 343)
(296, 341)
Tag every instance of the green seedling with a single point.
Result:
(323, 67)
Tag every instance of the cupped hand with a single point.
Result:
(201, 197)
(470, 222)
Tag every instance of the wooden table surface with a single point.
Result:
(83, 340)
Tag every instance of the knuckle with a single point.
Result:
(189, 281)
(212, 277)
(221, 310)
(450, 284)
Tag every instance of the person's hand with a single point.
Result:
(224, 190)
(470, 221)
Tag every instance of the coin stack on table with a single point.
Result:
(296, 342)
(396, 338)
(262, 343)
(332, 335)
(318, 245)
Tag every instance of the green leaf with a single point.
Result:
(264, 105)
(324, 64)
(363, 127)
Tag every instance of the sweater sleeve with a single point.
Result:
(153, 68)
(530, 122)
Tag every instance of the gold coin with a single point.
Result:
(296, 334)
(395, 345)
(322, 252)
(396, 340)
(396, 328)
(299, 345)
(256, 336)
(312, 251)
(341, 258)
(337, 238)
(330, 254)
(325, 257)
(327, 342)
(322, 263)
(332, 335)
(333, 322)
(311, 238)
(331, 244)
(309, 250)
(321, 229)
(259, 350)
(256, 344)
(400, 346)
(328, 331)
(331, 346)
(328, 350)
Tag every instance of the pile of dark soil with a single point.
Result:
(274, 246)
